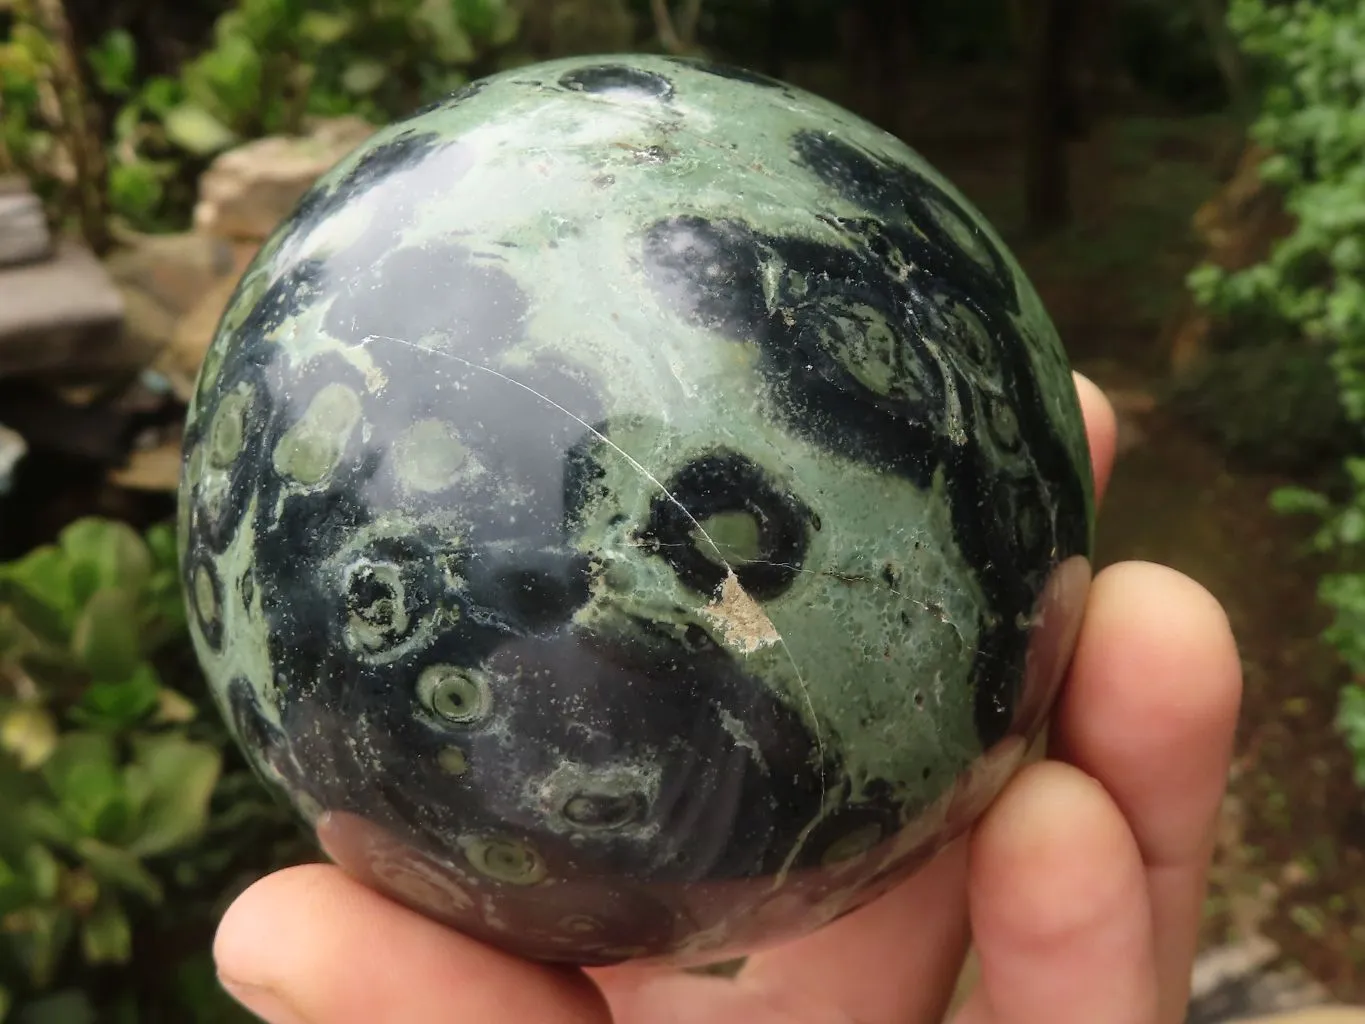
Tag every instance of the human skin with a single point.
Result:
(1080, 888)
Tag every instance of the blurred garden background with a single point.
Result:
(1183, 179)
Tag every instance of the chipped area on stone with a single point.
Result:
(638, 495)
(740, 618)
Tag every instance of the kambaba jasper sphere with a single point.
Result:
(635, 509)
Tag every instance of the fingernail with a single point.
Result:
(263, 1002)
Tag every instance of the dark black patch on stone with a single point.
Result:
(250, 348)
(709, 270)
(208, 617)
(410, 148)
(437, 295)
(860, 350)
(731, 72)
(460, 95)
(723, 482)
(528, 590)
(584, 478)
(900, 196)
(723, 810)
(841, 834)
(266, 746)
(617, 79)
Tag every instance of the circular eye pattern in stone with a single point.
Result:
(377, 601)
(505, 860)
(722, 513)
(454, 694)
(618, 80)
(604, 811)
(310, 450)
(206, 596)
(228, 430)
(597, 798)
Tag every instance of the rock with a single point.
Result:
(1244, 982)
(171, 270)
(24, 235)
(192, 335)
(60, 314)
(13, 448)
(154, 469)
(163, 279)
(247, 191)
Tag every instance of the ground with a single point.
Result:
(1291, 856)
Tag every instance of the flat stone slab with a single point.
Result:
(1245, 983)
(24, 235)
(60, 314)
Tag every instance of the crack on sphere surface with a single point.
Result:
(634, 509)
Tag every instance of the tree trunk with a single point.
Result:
(1228, 56)
(1049, 111)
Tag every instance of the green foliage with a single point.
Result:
(274, 63)
(1310, 61)
(113, 798)
(271, 65)
(25, 140)
(1295, 425)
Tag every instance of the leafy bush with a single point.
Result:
(1310, 59)
(275, 62)
(271, 65)
(117, 817)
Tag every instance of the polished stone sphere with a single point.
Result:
(635, 509)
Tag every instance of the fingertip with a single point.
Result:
(1059, 910)
(1152, 701)
(311, 944)
(1101, 428)
(1052, 855)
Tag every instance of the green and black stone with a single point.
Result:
(635, 509)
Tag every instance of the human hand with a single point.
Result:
(1081, 887)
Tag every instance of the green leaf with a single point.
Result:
(106, 934)
(326, 28)
(115, 550)
(181, 776)
(43, 871)
(69, 1007)
(28, 732)
(136, 189)
(116, 867)
(506, 28)
(106, 639)
(114, 61)
(1299, 501)
(363, 76)
(84, 776)
(442, 24)
(39, 936)
(195, 130)
(37, 587)
(160, 94)
(121, 704)
(161, 542)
